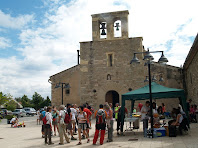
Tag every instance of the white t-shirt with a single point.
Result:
(12, 120)
(73, 112)
(48, 118)
(62, 114)
(82, 116)
(144, 109)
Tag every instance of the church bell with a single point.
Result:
(103, 28)
(117, 26)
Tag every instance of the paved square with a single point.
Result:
(30, 137)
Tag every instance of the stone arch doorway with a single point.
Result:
(112, 97)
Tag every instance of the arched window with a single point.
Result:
(108, 77)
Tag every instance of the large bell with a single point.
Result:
(103, 28)
(103, 32)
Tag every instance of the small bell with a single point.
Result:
(117, 26)
(103, 28)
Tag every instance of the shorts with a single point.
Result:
(69, 126)
(73, 121)
(101, 126)
(54, 122)
(82, 126)
(87, 125)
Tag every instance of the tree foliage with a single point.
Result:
(11, 105)
(4, 98)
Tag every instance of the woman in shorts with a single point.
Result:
(55, 114)
(82, 118)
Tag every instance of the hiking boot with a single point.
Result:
(50, 143)
(72, 138)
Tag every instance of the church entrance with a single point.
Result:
(112, 97)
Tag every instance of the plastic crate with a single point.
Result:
(159, 132)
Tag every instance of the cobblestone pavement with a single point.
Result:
(30, 137)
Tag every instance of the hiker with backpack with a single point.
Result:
(82, 124)
(100, 116)
(42, 115)
(62, 125)
(47, 120)
(68, 122)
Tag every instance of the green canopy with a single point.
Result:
(158, 92)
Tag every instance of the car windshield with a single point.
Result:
(17, 111)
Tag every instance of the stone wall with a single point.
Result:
(95, 70)
(71, 76)
(191, 73)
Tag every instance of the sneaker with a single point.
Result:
(50, 143)
(46, 142)
(43, 136)
(88, 140)
(72, 138)
(75, 134)
(79, 143)
(61, 144)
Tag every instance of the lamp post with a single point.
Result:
(62, 85)
(149, 58)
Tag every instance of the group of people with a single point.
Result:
(192, 108)
(74, 120)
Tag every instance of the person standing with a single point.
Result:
(163, 108)
(55, 119)
(69, 125)
(110, 125)
(144, 117)
(42, 115)
(100, 116)
(38, 116)
(47, 126)
(82, 118)
(89, 113)
(62, 125)
(119, 118)
(73, 118)
(116, 111)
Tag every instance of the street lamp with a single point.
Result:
(62, 85)
(149, 59)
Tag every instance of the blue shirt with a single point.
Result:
(43, 113)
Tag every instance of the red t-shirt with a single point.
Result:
(89, 113)
(140, 106)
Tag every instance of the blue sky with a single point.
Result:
(39, 38)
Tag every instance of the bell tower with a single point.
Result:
(110, 26)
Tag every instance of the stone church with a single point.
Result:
(105, 72)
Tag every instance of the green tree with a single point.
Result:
(11, 105)
(26, 102)
(37, 100)
(46, 102)
(4, 98)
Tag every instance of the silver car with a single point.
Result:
(19, 112)
(30, 111)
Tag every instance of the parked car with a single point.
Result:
(19, 112)
(5, 112)
(30, 111)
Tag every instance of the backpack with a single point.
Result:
(44, 120)
(100, 117)
(67, 118)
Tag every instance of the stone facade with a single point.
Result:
(191, 73)
(72, 95)
(105, 72)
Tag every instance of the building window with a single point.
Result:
(67, 91)
(191, 78)
(108, 77)
(110, 59)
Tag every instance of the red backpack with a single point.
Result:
(67, 118)
(44, 120)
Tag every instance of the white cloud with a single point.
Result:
(4, 43)
(65, 25)
(7, 21)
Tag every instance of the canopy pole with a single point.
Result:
(150, 95)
